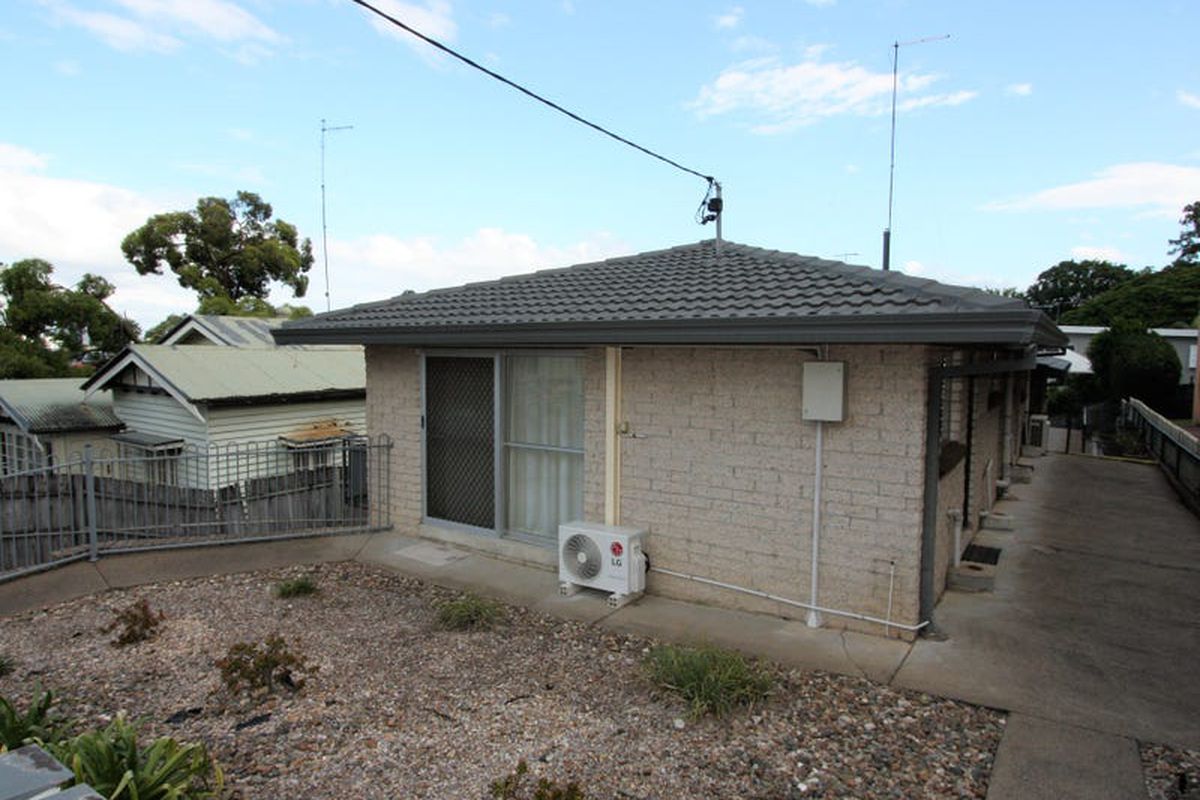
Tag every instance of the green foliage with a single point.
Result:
(1069, 398)
(137, 623)
(46, 327)
(516, 786)
(1130, 361)
(469, 613)
(1187, 246)
(223, 249)
(163, 328)
(1168, 298)
(1069, 284)
(253, 667)
(295, 587)
(7, 665)
(711, 680)
(112, 763)
(1011, 292)
(39, 721)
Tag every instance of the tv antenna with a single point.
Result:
(887, 232)
(324, 236)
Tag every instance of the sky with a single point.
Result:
(1037, 132)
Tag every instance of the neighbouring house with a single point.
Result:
(1182, 339)
(290, 403)
(668, 391)
(44, 421)
(225, 331)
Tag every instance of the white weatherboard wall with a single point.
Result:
(159, 414)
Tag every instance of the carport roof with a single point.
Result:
(691, 294)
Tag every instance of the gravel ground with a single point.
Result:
(1163, 766)
(398, 708)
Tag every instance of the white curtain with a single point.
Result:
(543, 444)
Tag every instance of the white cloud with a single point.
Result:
(78, 226)
(67, 68)
(790, 96)
(752, 44)
(821, 3)
(434, 18)
(1160, 189)
(161, 26)
(730, 19)
(919, 269)
(1019, 89)
(1090, 253)
(1188, 99)
(375, 267)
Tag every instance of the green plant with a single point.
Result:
(515, 786)
(110, 761)
(265, 666)
(137, 623)
(7, 665)
(295, 587)
(711, 680)
(39, 721)
(469, 613)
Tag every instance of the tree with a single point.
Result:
(1130, 361)
(1168, 298)
(1069, 284)
(48, 328)
(223, 248)
(223, 306)
(1187, 246)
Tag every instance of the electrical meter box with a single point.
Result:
(824, 391)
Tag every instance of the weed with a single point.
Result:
(469, 613)
(295, 587)
(711, 680)
(515, 786)
(40, 721)
(266, 666)
(137, 623)
(7, 665)
(110, 761)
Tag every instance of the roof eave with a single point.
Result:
(1012, 327)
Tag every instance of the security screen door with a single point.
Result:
(460, 444)
(540, 453)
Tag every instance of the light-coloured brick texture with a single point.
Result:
(719, 467)
(394, 409)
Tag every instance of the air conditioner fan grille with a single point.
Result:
(581, 556)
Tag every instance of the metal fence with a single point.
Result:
(100, 503)
(1176, 450)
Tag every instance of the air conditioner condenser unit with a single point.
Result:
(603, 557)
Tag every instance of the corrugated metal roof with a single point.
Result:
(684, 294)
(229, 331)
(56, 405)
(209, 374)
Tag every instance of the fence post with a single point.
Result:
(89, 491)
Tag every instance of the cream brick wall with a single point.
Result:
(719, 466)
(394, 408)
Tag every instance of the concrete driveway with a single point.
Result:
(1093, 628)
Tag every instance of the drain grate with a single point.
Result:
(981, 555)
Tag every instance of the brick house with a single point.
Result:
(663, 391)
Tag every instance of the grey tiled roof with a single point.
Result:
(687, 293)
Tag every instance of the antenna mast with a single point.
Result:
(324, 236)
(887, 232)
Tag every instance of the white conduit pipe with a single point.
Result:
(788, 601)
(814, 618)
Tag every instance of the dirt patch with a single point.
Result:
(399, 708)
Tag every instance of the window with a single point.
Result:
(504, 443)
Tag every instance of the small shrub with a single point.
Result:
(711, 680)
(137, 623)
(469, 613)
(267, 666)
(39, 721)
(295, 587)
(110, 761)
(7, 665)
(516, 786)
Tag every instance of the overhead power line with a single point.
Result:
(532, 94)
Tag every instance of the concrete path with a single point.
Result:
(1091, 637)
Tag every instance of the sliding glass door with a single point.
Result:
(537, 447)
